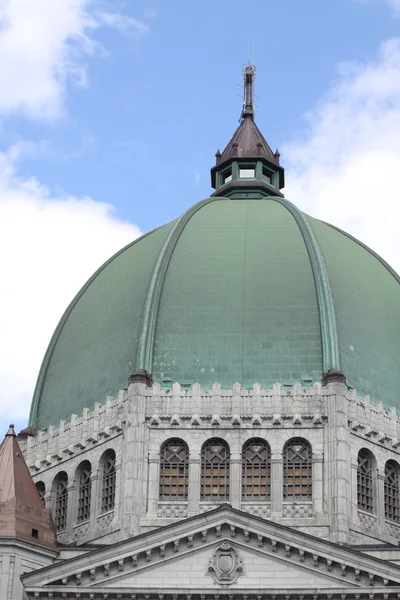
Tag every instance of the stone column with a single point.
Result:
(354, 497)
(153, 486)
(379, 492)
(72, 512)
(317, 488)
(194, 485)
(235, 480)
(337, 452)
(95, 501)
(47, 498)
(276, 485)
(134, 463)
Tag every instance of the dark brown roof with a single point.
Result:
(22, 515)
(248, 142)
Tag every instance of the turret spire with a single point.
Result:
(247, 165)
(248, 105)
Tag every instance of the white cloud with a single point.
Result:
(345, 168)
(395, 5)
(49, 247)
(49, 244)
(43, 47)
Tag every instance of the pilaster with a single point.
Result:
(194, 485)
(235, 479)
(276, 486)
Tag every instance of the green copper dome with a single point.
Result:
(235, 290)
(243, 288)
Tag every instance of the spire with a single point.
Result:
(22, 515)
(248, 106)
(248, 164)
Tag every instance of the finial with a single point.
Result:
(248, 106)
(277, 156)
(11, 430)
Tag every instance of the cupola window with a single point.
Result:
(174, 470)
(267, 175)
(247, 172)
(226, 176)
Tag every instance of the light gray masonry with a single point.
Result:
(332, 419)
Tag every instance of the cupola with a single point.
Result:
(247, 166)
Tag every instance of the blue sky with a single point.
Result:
(113, 112)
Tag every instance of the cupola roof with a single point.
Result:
(249, 144)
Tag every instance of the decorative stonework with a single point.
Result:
(174, 510)
(225, 564)
(297, 510)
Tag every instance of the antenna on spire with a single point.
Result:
(248, 92)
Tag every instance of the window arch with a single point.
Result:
(256, 469)
(174, 469)
(60, 487)
(392, 491)
(84, 481)
(41, 488)
(365, 483)
(215, 462)
(297, 470)
(108, 481)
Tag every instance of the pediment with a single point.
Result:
(222, 551)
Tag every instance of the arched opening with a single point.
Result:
(297, 470)
(256, 469)
(108, 480)
(60, 507)
(174, 470)
(215, 463)
(392, 489)
(84, 481)
(41, 488)
(365, 481)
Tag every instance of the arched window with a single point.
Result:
(215, 459)
(365, 485)
(108, 481)
(41, 488)
(61, 501)
(392, 491)
(174, 470)
(84, 479)
(256, 469)
(297, 470)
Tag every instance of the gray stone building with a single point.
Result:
(215, 416)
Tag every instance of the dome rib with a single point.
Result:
(33, 414)
(374, 254)
(149, 322)
(327, 313)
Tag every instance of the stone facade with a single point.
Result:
(335, 422)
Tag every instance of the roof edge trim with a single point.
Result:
(374, 254)
(33, 414)
(326, 305)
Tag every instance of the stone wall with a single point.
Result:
(135, 424)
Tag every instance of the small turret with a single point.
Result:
(247, 166)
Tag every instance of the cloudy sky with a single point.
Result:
(111, 112)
